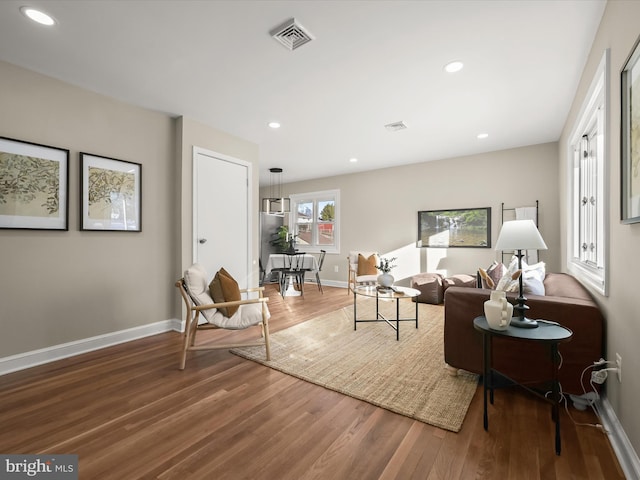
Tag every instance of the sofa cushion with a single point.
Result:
(565, 285)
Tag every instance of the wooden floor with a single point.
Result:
(129, 413)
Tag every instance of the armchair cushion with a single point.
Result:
(247, 315)
(367, 265)
(224, 288)
(195, 281)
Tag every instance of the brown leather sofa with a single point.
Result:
(566, 301)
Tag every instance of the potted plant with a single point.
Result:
(284, 240)
(385, 266)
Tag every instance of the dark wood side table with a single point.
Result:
(551, 334)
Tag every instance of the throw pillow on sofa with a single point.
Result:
(532, 278)
(509, 281)
(490, 277)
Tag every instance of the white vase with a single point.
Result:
(498, 311)
(385, 280)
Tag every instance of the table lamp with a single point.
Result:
(519, 235)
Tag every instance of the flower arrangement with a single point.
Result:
(386, 264)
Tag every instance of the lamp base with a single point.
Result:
(523, 322)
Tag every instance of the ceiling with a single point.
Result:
(371, 63)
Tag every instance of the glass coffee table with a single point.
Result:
(396, 293)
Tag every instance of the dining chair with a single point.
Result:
(320, 262)
(293, 271)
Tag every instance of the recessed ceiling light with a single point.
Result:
(353, 159)
(274, 124)
(38, 16)
(482, 136)
(453, 67)
(395, 126)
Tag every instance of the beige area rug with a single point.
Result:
(407, 376)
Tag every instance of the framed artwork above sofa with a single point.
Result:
(461, 228)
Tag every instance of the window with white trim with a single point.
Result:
(587, 250)
(315, 219)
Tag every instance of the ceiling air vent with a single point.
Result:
(395, 126)
(291, 34)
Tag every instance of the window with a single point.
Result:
(587, 250)
(315, 220)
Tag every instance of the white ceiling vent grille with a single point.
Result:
(395, 126)
(291, 34)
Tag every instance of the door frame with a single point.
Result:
(250, 214)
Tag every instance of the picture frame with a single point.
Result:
(34, 186)
(455, 228)
(630, 137)
(110, 194)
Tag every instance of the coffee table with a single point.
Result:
(397, 294)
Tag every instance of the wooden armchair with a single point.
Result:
(366, 274)
(194, 290)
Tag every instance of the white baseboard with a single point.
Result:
(620, 443)
(65, 350)
(328, 283)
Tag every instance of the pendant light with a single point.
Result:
(276, 204)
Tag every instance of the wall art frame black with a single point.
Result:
(34, 186)
(110, 194)
(630, 137)
(455, 228)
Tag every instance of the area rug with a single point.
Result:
(406, 377)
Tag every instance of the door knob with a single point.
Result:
(203, 240)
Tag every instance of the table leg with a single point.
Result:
(485, 375)
(555, 396)
(355, 315)
(416, 312)
(397, 319)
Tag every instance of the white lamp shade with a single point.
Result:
(520, 235)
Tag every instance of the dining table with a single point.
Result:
(279, 261)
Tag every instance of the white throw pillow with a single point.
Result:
(507, 283)
(533, 279)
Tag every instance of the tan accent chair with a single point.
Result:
(194, 289)
(354, 279)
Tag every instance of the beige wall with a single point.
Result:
(56, 286)
(618, 31)
(193, 134)
(379, 208)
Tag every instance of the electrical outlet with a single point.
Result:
(619, 366)
(335, 268)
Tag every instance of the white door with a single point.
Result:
(221, 213)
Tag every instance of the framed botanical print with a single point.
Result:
(111, 194)
(34, 186)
